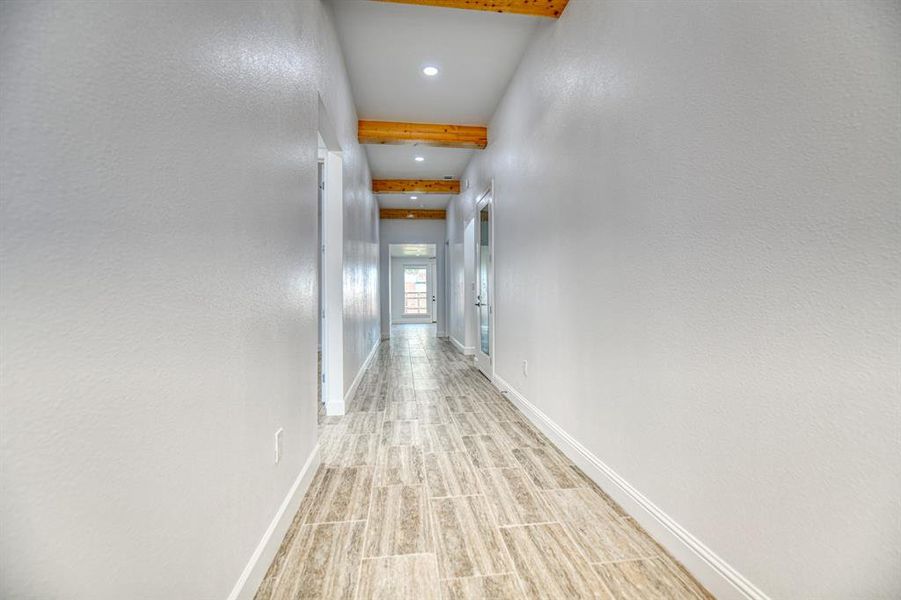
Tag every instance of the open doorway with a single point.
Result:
(331, 271)
(484, 284)
(413, 286)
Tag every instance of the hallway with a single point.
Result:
(351, 299)
(434, 481)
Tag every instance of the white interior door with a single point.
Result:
(418, 289)
(433, 289)
(484, 283)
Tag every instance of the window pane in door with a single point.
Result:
(416, 290)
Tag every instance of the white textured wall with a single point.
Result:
(361, 221)
(158, 289)
(698, 230)
(400, 231)
(456, 328)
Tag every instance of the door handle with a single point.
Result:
(478, 304)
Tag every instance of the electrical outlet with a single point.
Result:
(525, 368)
(278, 445)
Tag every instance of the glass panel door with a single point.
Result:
(416, 290)
(484, 284)
(484, 291)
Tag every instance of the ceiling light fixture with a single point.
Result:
(430, 71)
(419, 159)
(414, 197)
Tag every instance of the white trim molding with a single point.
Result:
(359, 377)
(713, 572)
(264, 553)
(467, 351)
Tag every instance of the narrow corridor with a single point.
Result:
(435, 486)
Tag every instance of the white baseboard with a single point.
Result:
(357, 379)
(466, 350)
(335, 409)
(713, 572)
(262, 556)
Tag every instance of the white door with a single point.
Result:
(433, 293)
(418, 288)
(484, 281)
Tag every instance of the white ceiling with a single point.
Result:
(396, 162)
(429, 201)
(385, 47)
(427, 250)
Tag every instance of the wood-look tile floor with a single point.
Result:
(435, 486)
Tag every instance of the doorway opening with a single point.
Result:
(413, 286)
(330, 272)
(484, 284)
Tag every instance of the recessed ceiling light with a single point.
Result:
(411, 216)
(413, 197)
(430, 71)
(419, 159)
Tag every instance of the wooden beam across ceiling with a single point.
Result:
(427, 134)
(416, 186)
(410, 213)
(537, 8)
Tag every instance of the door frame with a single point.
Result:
(332, 271)
(430, 289)
(485, 363)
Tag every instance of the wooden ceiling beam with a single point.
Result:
(411, 213)
(427, 134)
(536, 8)
(416, 186)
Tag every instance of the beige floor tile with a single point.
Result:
(518, 434)
(411, 577)
(404, 393)
(399, 522)
(596, 528)
(548, 564)
(450, 474)
(400, 433)
(422, 383)
(342, 494)
(648, 579)
(458, 404)
(371, 404)
(277, 566)
(429, 396)
(512, 498)
(470, 423)
(351, 450)
(400, 465)
(441, 438)
(468, 543)
(485, 452)
(379, 491)
(434, 413)
(362, 422)
(546, 468)
(500, 411)
(322, 562)
(489, 587)
(402, 411)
